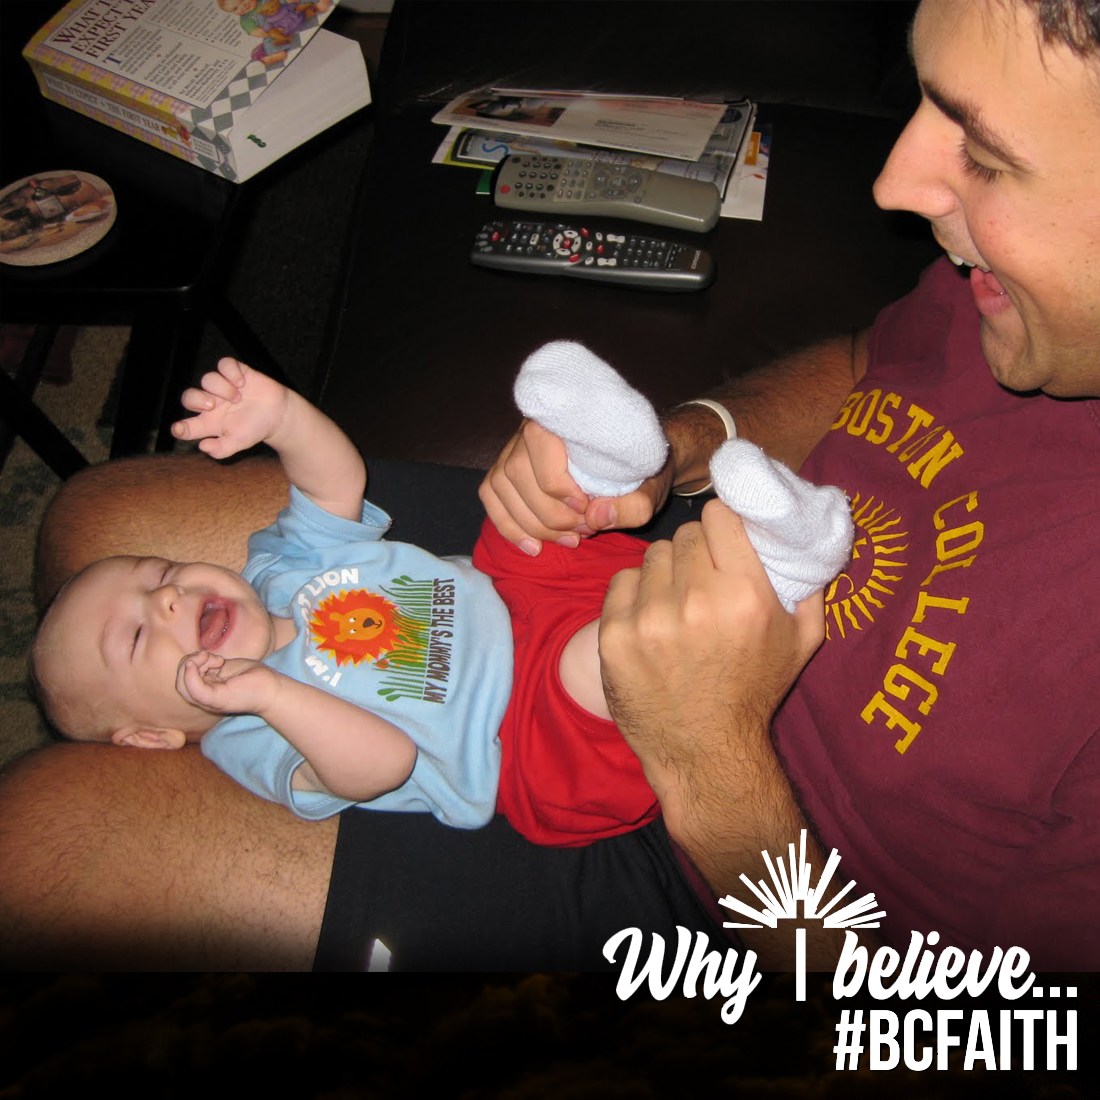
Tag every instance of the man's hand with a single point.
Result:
(531, 498)
(221, 685)
(235, 408)
(697, 653)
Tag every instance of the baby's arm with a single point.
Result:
(237, 407)
(349, 752)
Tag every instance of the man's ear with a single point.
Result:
(138, 737)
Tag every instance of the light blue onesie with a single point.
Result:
(422, 641)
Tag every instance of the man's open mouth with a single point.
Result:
(990, 296)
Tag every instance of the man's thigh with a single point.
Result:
(131, 859)
(180, 507)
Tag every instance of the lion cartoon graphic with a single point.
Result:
(355, 626)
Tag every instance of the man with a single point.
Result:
(952, 765)
(951, 755)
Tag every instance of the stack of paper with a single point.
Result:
(697, 140)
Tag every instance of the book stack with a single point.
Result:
(228, 85)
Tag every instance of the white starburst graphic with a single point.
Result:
(793, 895)
(791, 882)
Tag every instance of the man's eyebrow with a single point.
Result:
(962, 113)
(975, 128)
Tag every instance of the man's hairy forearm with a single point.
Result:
(725, 827)
(786, 407)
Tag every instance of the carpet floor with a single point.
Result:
(26, 487)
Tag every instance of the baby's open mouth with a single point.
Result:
(214, 624)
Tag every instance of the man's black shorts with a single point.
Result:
(442, 899)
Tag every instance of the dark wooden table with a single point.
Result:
(427, 345)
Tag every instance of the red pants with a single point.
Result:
(567, 777)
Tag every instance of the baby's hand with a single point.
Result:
(226, 685)
(235, 408)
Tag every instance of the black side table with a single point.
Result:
(160, 269)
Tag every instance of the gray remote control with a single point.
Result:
(570, 187)
(576, 251)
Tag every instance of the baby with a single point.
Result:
(341, 668)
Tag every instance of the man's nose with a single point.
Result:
(918, 172)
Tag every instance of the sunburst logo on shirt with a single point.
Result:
(852, 602)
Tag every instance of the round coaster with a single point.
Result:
(51, 216)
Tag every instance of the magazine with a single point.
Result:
(484, 149)
(745, 196)
(661, 127)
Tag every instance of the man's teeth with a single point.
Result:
(958, 261)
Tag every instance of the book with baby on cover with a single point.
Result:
(229, 85)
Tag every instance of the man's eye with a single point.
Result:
(973, 168)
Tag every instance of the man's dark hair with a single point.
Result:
(1076, 23)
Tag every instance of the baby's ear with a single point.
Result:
(140, 738)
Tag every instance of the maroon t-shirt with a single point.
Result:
(945, 737)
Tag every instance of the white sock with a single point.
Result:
(801, 531)
(611, 432)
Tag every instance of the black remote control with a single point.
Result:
(572, 187)
(576, 251)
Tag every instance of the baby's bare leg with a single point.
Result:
(579, 669)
